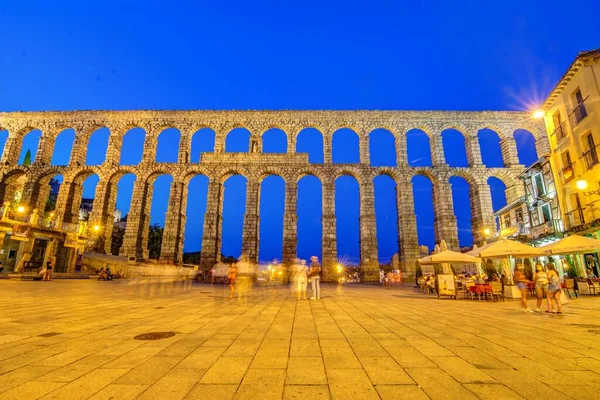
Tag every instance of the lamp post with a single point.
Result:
(582, 185)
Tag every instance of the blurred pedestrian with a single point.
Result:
(523, 285)
(301, 277)
(231, 277)
(315, 278)
(48, 272)
(554, 289)
(540, 279)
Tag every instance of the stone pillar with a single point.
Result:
(327, 152)
(102, 215)
(80, 145)
(401, 150)
(363, 140)
(115, 144)
(408, 240)
(542, 144)
(46, 146)
(220, 138)
(134, 245)
(150, 143)
(329, 241)
(369, 262)
(290, 223)
(509, 151)
(211, 234)
(515, 191)
(251, 220)
(30, 195)
(482, 217)
(172, 243)
(68, 203)
(437, 150)
(473, 150)
(444, 220)
(292, 136)
(12, 149)
(185, 146)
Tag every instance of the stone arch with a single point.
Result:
(233, 223)
(30, 143)
(526, 147)
(382, 148)
(498, 189)
(418, 145)
(63, 147)
(314, 149)
(301, 173)
(309, 211)
(238, 141)
(201, 145)
(354, 172)
(347, 212)
(345, 146)
(422, 182)
(272, 198)
(226, 173)
(462, 187)
(454, 145)
(98, 140)
(274, 140)
(386, 214)
(197, 185)
(167, 145)
(490, 145)
(132, 146)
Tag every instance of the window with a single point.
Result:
(567, 166)
(12, 254)
(546, 213)
(519, 216)
(579, 111)
(559, 130)
(590, 155)
(539, 184)
(506, 219)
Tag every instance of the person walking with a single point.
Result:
(523, 285)
(231, 277)
(48, 272)
(554, 289)
(540, 279)
(315, 278)
(301, 276)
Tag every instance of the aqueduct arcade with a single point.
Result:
(256, 164)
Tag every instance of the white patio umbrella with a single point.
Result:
(575, 245)
(449, 256)
(504, 248)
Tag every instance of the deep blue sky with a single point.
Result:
(469, 55)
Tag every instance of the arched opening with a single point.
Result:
(63, 146)
(49, 194)
(310, 140)
(386, 216)
(124, 194)
(132, 149)
(347, 212)
(491, 152)
(498, 190)
(161, 191)
(272, 204)
(274, 141)
(461, 201)
(418, 148)
(87, 196)
(455, 152)
(167, 146)
(3, 139)
(203, 141)
(526, 151)
(97, 146)
(423, 199)
(196, 208)
(345, 147)
(238, 141)
(29, 147)
(310, 212)
(382, 148)
(234, 208)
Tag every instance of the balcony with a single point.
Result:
(591, 158)
(518, 229)
(547, 228)
(560, 132)
(568, 173)
(578, 114)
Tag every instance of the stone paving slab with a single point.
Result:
(75, 340)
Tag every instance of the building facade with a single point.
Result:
(572, 121)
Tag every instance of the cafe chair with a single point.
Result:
(570, 286)
(592, 287)
(497, 291)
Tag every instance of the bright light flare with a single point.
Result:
(21, 209)
(539, 114)
(486, 231)
(96, 228)
(581, 184)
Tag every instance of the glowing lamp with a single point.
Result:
(581, 184)
(486, 231)
(539, 114)
(96, 228)
(21, 209)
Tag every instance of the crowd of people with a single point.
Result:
(546, 282)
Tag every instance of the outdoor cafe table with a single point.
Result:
(481, 289)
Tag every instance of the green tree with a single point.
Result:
(27, 159)
(155, 236)
(228, 259)
(191, 258)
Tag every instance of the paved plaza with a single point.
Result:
(75, 340)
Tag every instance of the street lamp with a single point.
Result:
(21, 209)
(486, 231)
(96, 228)
(582, 185)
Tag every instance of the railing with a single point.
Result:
(560, 131)
(574, 218)
(552, 226)
(591, 158)
(70, 226)
(514, 230)
(578, 114)
(568, 173)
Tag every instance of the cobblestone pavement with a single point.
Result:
(75, 340)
